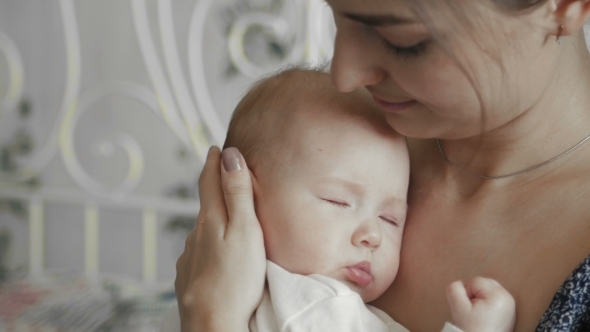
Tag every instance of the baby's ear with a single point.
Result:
(255, 185)
(255, 189)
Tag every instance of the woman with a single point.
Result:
(494, 96)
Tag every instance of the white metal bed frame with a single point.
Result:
(36, 240)
(186, 115)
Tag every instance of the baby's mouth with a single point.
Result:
(360, 273)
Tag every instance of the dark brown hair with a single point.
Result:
(517, 5)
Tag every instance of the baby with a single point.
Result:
(330, 181)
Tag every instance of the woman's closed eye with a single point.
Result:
(404, 46)
(405, 52)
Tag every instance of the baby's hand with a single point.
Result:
(480, 306)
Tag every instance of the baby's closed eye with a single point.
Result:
(390, 219)
(337, 202)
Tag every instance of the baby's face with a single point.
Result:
(336, 205)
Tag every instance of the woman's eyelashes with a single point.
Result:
(405, 52)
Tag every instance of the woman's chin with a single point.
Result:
(408, 129)
(423, 129)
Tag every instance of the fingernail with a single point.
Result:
(209, 151)
(232, 160)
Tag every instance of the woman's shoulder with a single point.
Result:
(570, 307)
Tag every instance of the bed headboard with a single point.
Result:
(113, 105)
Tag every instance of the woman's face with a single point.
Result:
(483, 63)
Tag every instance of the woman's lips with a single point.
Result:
(360, 273)
(394, 107)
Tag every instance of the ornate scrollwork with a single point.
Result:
(185, 106)
(126, 142)
(273, 25)
(309, 40)
(13, 58)
(73, 107)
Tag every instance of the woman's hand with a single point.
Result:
(220, 275)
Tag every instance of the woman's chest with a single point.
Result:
(530, 247)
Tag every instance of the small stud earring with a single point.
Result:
(559, 32)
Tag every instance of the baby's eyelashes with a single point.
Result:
(344, 204)
(336, 202)
(390, 220)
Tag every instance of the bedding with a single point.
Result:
(68, 302)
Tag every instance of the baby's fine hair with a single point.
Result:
(261, 115)
(264, 116)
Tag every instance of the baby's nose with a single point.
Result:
(368, 234)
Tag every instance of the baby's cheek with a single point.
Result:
(275, 245)
(288, 252)
(389, 278)
(271, 222)
(390, 265)
(379, 287)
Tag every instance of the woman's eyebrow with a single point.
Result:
(380, 20)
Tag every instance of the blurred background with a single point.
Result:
(107, 108)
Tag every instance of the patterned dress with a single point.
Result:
(570, 308)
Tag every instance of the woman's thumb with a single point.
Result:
(237, 186)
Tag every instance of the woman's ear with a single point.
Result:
(571, 14)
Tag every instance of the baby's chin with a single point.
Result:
(367, 293)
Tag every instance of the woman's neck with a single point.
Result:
(557, 121)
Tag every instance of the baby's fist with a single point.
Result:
(480, 306)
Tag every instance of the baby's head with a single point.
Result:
(330, 179)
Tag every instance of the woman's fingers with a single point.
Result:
(220, 274)
(237, 189)
(213, 215)
(243, 234)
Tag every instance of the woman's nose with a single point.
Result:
(355, 62)
(368, 234)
